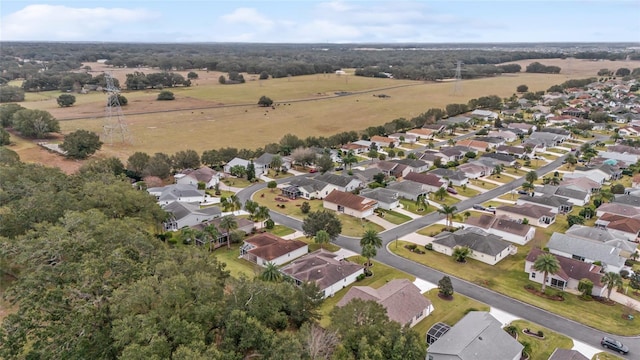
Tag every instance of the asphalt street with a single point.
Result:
(520, 309)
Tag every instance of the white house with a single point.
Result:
(236, 162)
(185, 193)
(588, 251)
(186, 214)
(322, 268)
(349, 204)
(205, 175)
(511, 230)
(484, 114)
(266, 248)
(485, 247)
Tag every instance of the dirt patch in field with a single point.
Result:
(587, 68)
(30, 152)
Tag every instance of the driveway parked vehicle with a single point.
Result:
(613, 344)
(452, 191)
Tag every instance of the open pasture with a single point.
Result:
(209, 115)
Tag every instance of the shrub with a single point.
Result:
(540, 333)
(411, 247)
(361, 277)
(269, 224)
(305, 207)
(166, 95)
(624, 274)
(429, 246)
(529, 287)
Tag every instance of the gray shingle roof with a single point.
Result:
(608, 255)
(308, 184)
(334, 179)
(475, 239)
(627, 200)
(448, 173)
(477, 336)
(380, 194)
(549, 200)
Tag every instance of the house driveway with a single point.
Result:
(416, 239)
(380, 221)
(295, 235)
(405, 212)
(424, 285)
(344, 253)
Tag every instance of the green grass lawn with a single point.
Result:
(292, 207)
(313, 246)
(236, 182)
(483, 184)
(447, 311)
(507, 277)
(352, 226)
(411, 206)
(466, 191)
(514, 172)
(223, 193)
(236, 266)
(281, 230)
(280, 175)
(395, 217)
(447, 200)
(605, 356)
(541, 349)
(431, 229)
(501, 178)
(558, 150)
(548, 156)
(381, 275)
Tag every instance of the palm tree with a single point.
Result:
(370, 241)
(461, 253)
(571, 160)
(531, 176)
(448, 211)
(527, 186)
(228, 223)
(322, 237)
(271, 273)
(211, 234)
(188, 235)
(440, 193)
(516, 166)
(497, 170)
(251, 206)
(611, 280)
(547, 264)
(451, 142)
(555, 181)
(422, 203)
(466, 215)
(234, 202)
(368, 251)
(261, 215)
(349, 159)
(276, 163)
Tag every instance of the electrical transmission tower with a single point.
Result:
(114, 127)
(457, 85)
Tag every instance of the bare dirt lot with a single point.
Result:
(209, 115)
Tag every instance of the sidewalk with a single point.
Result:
(624, 299)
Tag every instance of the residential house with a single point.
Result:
(536, 215)
(244, 225)
(306, 188)
(536, 145)
(387, 199)
(548, 139)
(438, 128)
(408, 189)
(574, 196)
(356, 148)
(430, 182)
(204, 175)
(455, 120)
(401, 299)
(322, 268)
(414, 165)
(501, 159)
(404, 138)
(503, 226)
(475, 169)
(566, 134)
(484, 115)
(186, 193)
(488, 248)
(422, 133)
(588, 251)
(187, 214)
(349, 204)
(454, 153)
(236, 162)
(430, 157)
(627, 199)
(455, 177)
(556, 204)
(605, 236)
(625, 210)
(477, 336)
(266, 248)
(340, 182)
(625, 227)
(366, 176)
(263, 163)
(383, 141)
(522, 126)
(475, 144)
(568, 276)
(517, 151)
(624, 160)
(629, 131)
(635, 182)
(565, 354)
(581, 183)
(600, 173)
(493, 142)
(390, 168)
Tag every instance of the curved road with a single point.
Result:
(518, 308)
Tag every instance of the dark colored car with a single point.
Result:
(452, 190)
(613, 344)
(523, 192)
(478, 207)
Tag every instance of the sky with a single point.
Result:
(309, 21)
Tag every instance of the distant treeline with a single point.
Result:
(277, 60)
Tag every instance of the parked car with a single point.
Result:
(452, 191)
(339, 168)
(490, 209)
(313, 170)
(478, 207)
(613, 344)
(523, 192)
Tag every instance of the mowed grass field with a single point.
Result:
(208, 115)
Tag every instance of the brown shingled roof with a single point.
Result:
(349, 200)
(500, 223)
(322, 268)
(622, 223)
(571, 268)
(427, 179)
(269, 246)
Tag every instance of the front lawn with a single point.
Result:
(605, 356)
(432, 229)
(466, 191)
(549, 156)
(541, 349)
(483, 184)
(395, 217)
(313, 246)
(447, 200)
(355, 227)
(291, 207)
(501, 178)
(237, 266)
(447, 311)
(381, 275)
(508, 278)
(236, 182)
(280, 230)
(280, 175)
(411, 206)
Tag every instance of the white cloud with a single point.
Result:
(248, 16)
(335, 6)
(59, 22)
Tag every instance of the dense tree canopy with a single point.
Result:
(322, 220)
(35, 123)
(10, 93)
(81, 144)
(66, 100)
